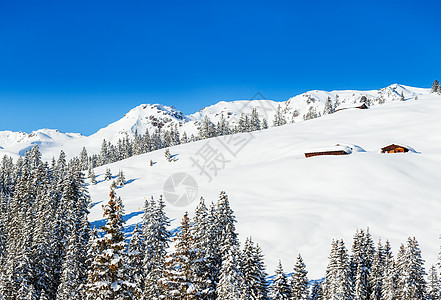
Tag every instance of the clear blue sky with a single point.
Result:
(79, 65)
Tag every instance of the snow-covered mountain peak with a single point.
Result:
(157, 110)
(141, 118)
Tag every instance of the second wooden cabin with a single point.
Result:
(394, 148)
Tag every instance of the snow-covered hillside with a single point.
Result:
(151, 117)
(292, 204)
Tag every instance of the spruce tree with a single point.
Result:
(109, 277)
(180, 275)
(157, 239)
(279, 118)
(280, 288)
(389, 284)
(71, 278)
(167, 155)
(253, 270)
(361, 264)
(299, 281)
(255, 121)
(435, 87)
(136, 257)
(92, 176)
(337, 281)
(231, 281)
(317, 291)
(433, 287)
(120, 179)
(108, 175)
(376, 276)
(203, 239)
(329, 107)
(410, 268)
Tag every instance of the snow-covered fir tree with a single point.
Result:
(180, 270)
(255, 120)
(167, 155)
(157, 238)
(204, 243)
(231, 281)
(329, 107)
(136, 257)
(363, 251)
(253, 270)
(311, 114)
(436, 88)
(410, 270)
(338, 284)
(389, 284)
(108, 175)
(73, 270)
(317, 291)
(279, 117)
(433, 284)
(109, 277)
(376, 275)
(120, 179)
(280, 288)
(299, 281)
(92, 176)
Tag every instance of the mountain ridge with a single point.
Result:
(153, 116)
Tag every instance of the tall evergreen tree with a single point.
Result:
(108, 174)
(136, 257)
(361, 264)
(204, 243)
(299, 281)
(435, 87)
(253, 270)
(329, 107)
(180, 275)
(280, 289)
(279, 118)
(434, 286)
(157, 239)
(71, 278)
(338, 284)
(410, 268)
(109, 277)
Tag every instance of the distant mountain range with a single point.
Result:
(153, 116)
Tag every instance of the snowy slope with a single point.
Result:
(290, 204)
(151, 117)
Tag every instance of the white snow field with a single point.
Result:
(290, 204)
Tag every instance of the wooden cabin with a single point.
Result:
(336, 150)
(394, 148)
(363, 106)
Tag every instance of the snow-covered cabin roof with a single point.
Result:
(348, 148)
(352, 105)
(398, 145)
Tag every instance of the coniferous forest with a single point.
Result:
(48, 250)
